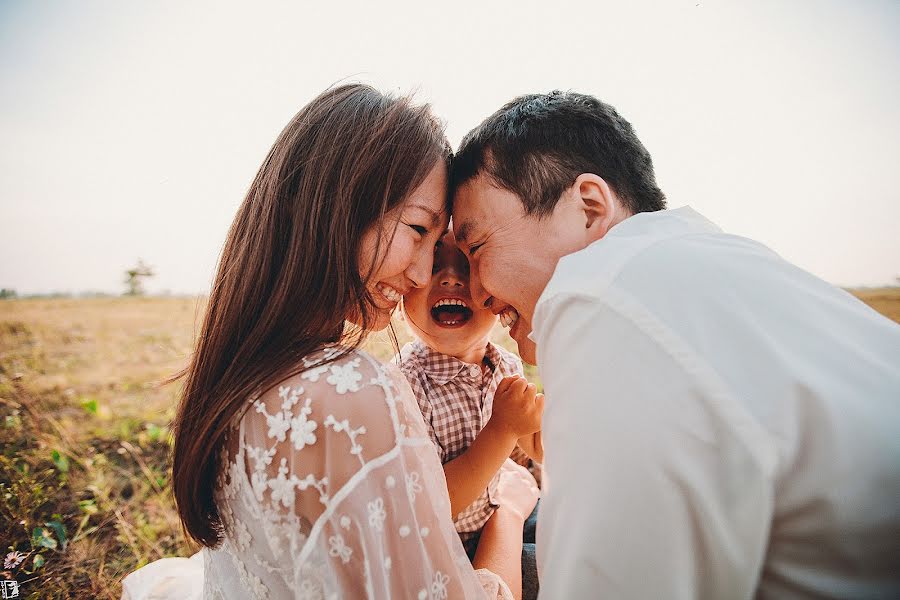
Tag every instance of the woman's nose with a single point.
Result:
(419, 271)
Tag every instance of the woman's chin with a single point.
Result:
(378, 318)
(381, 320)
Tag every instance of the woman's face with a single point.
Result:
(407, 238)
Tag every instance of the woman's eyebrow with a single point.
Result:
(435, 215)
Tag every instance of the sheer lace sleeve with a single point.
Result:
(349, 498)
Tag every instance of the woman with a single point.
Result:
(301, 463)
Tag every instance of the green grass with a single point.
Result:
(84, 468)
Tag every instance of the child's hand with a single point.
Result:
(517, 407)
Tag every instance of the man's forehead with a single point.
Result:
(468, 211)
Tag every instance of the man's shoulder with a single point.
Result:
(654, 259)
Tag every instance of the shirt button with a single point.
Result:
(474, 370)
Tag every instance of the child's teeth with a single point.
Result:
(449, 302)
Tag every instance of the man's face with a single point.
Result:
(512, 255)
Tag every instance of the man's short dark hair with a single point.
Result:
(537, 145)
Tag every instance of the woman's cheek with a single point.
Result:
(395, 258)
(407, 254)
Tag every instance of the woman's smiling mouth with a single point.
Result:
(389, 293)
(451, 312)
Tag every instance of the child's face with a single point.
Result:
(442, 313)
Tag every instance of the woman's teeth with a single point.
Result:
(508, 317)
(388, 292)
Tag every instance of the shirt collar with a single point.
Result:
(665, 223)
(442, 368)
(646, 228)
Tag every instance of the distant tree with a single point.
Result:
(134, 278)
(7, 294)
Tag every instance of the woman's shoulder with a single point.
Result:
(347, 369)
(335, 374)
(337, 390)
(341, 399)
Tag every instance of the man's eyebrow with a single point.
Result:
(464, 231)
(435, 216)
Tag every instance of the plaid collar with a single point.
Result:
(442, 368)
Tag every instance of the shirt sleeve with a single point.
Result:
(650, 488)
(349, 486)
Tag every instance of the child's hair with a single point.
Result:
(288, 276)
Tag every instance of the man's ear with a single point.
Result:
(602, 209)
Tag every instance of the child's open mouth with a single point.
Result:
(451, 312)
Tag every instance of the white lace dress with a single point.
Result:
(332, 490)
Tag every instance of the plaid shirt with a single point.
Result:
(456, 400)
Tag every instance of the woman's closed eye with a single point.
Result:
(421, 230)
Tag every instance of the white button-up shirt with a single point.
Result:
(719, 423)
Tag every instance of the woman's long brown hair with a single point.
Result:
(288, 276)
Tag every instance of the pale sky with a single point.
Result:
(134, 129)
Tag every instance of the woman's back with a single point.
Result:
(327, 491)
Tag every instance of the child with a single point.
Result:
(479, 408)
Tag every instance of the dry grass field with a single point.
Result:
(85, 496)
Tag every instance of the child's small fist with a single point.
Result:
(517, 407)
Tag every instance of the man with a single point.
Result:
(719, 423)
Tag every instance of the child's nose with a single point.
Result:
(449, 278)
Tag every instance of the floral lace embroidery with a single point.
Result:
(302, 428)
(301, 432)
(345, 378)
(314, 373)
(242, 535)
(439, 585)
(344, 425)
(413, 486)
(377, 514)
(339, 548)
(250, 580)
